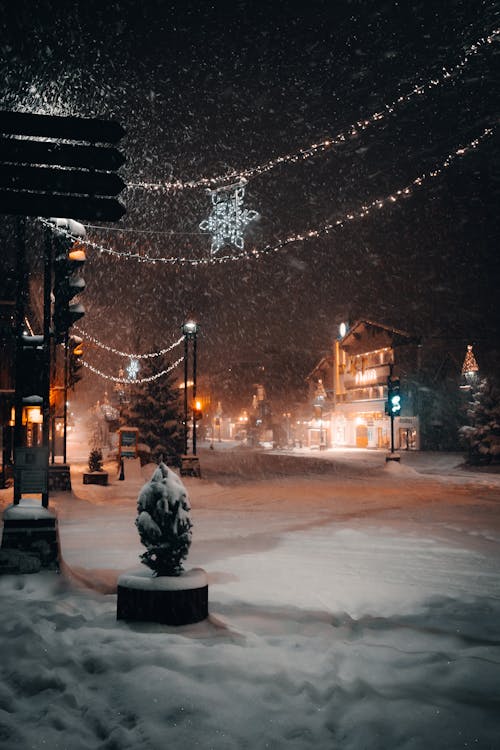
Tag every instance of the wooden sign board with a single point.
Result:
(31, 466)
(128, 439)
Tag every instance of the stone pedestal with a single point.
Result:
(190, 466)
(96, 477)
(30, 529)
(59, 477)
(393, 457)
(169, 600)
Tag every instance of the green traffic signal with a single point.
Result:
(395, 404)
(394, 398)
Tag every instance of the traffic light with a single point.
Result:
(394, 398)
(31, 381)
(197, 410)
(75, 353)
(69, 258)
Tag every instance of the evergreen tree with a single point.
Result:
(440, 409)
(156, 410)
(163, 522)
(482, 434)
(95, 459)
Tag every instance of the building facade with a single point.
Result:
(354, 380)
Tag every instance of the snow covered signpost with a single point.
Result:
(165, 593)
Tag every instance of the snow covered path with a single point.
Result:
(353, 605)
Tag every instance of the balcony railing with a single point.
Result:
(369, 393)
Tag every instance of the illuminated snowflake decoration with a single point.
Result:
(228, 219)
(133, 368)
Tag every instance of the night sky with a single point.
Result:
(205, 88)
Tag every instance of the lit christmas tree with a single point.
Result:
(470, 366)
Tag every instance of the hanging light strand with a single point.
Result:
(150, 355)
(323, 146)
(359, 213)
(379, 203)
(127, 381)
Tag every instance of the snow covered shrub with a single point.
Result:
(482, 435)
(95, 460)
(163, 522)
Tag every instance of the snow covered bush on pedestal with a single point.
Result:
(165, 593)
(163, 522)
(95, 460)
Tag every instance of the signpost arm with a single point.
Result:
(32, 182)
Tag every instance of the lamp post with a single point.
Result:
(190, 330)
(319, 402)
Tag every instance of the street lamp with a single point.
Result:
(190, 330)
(319, 402)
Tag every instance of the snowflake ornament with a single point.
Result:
(228, 219)
(133, 369)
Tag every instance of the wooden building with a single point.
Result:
(352, 412)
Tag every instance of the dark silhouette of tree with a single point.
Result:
(155, 408)
(482, 433)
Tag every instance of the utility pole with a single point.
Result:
(47, 287)
(190, 464)
(21, 276)
(185, 394)
(194, 394)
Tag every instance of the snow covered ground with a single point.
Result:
(354, 604)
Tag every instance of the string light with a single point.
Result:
(127, 381)
(317, 148)
(150, 355)
(353, 214)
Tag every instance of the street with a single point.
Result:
(352, 603)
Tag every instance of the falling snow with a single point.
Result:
(351, 606)
(200, 95)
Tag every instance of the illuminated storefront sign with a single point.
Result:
(368, 376)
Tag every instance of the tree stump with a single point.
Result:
(168, 600)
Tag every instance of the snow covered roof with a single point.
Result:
(324, 363)
(366, 335)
